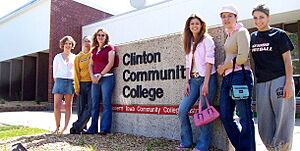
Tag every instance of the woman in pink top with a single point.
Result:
(201, 80)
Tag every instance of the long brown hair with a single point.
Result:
(187, 34)
(95, 42)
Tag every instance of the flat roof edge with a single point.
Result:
(18, 10)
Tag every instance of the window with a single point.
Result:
(293, 33)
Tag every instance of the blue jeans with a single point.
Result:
(103, 89)
(84, 106)
(185, 106)
(241, 135)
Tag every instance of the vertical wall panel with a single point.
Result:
(29, 78)
(42, 76)
(15, 79)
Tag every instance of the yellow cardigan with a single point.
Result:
(81, 67)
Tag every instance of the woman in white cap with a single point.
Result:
(275, 98)
(236, 71)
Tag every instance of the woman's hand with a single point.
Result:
(288, 91)
(95, 78)
(220, 70)
(187, 89)
(204, 90)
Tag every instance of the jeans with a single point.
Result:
(240, 134)
(103, 89)
(185, 106)
(84, 106)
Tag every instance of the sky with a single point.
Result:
(112, 6)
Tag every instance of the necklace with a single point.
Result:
(98, 50)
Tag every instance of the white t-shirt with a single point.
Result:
(63, 69)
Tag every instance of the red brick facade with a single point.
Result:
(67, 18)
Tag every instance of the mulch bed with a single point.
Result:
(11, 106)
(111, 142)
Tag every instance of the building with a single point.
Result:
(141, 106)
(148, 106)
(30, 39)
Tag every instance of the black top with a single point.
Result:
(267, 48)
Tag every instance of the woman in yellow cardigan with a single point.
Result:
(82, 84)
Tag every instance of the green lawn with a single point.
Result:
(9, 131)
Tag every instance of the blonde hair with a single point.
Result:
(83, 39)
(95, 42)
(63, 40)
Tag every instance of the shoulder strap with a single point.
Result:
(243, 69)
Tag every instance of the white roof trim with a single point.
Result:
(19, 10)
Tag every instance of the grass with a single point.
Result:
(90, 148)
(10, 131)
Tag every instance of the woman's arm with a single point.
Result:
(110, 64)
(208, 69)
(210, 61)
(243, 42)
(288, 89)
(55, 67)
(187, 85)
(221, 68)
(76, 75)
(93, 78)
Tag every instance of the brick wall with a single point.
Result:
(67, 18)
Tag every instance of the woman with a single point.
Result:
(275, 97)
(103, 81)
(63, 75)
(236, 47)
(82, 83)
(201, 80)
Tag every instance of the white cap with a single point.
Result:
(229, 9)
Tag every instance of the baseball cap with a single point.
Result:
(229, 9)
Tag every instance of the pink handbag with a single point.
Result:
(206, 116)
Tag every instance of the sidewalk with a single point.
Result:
(45, 120)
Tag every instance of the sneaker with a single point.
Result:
(181, 147)
(73, 131)
(87, 132)
(195, 149)
(103, 133)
